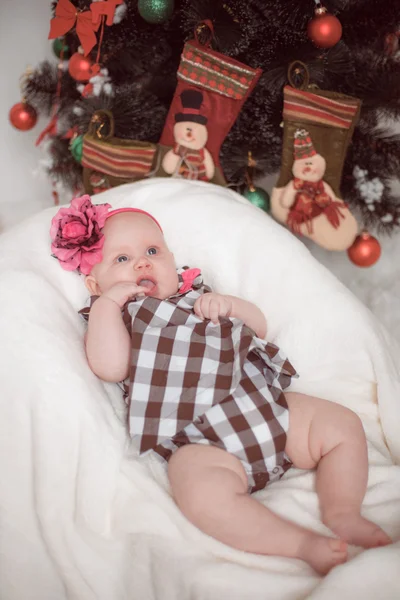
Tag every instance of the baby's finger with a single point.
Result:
(197, 309)
(135, 292)
(214, 311)
(138, 289)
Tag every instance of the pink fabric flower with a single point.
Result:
(76, 236)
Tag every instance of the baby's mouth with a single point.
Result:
(149, 284)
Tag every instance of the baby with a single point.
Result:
(221, 445)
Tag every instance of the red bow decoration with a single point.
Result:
(66, 17)
(86, 22)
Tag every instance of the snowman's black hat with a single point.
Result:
(191, 103)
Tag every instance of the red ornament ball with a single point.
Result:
(23, 116)
(80, 67)
(324, 30)
(365, 250)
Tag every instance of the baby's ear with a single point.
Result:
(92, 285)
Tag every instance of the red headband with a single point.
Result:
(136, 210)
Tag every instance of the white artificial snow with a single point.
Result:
(100, 82)
(120, 13)
(78, 111)
(46, 161)
(107, 89)
(370, 190)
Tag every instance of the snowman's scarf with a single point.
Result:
(191, 165)
(312, 188)
(311, 200)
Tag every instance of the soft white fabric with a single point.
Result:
(81, 518)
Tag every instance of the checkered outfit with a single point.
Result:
(193, 382)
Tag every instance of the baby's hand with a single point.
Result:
(211, 306)
(120, 293)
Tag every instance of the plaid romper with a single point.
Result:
(194, 382)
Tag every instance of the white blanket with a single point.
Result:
(81, 517)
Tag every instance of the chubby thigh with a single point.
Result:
(199, 474)
(315, 427)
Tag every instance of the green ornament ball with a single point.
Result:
(258, 197)
(156, 11)
(58, 45)
(76, 147)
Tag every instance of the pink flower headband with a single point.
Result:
(76, 236)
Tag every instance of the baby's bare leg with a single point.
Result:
(210, 487)
(331, 437)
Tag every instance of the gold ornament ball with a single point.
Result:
(365, 250)
(258, 197)
(156, 11)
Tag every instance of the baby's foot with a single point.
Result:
(323, 553)
(356, 530)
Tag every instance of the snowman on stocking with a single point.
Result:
(211, 90)
(317, 129)
(308, 195)
(189, 158)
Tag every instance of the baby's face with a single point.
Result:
(134, 251)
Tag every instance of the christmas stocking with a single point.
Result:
(109, 161)
(318, 127)
(211, 90)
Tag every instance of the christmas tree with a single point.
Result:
(121, 58)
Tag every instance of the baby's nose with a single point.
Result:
(142, 262)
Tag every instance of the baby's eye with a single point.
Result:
(122, 258)
(151, 251)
